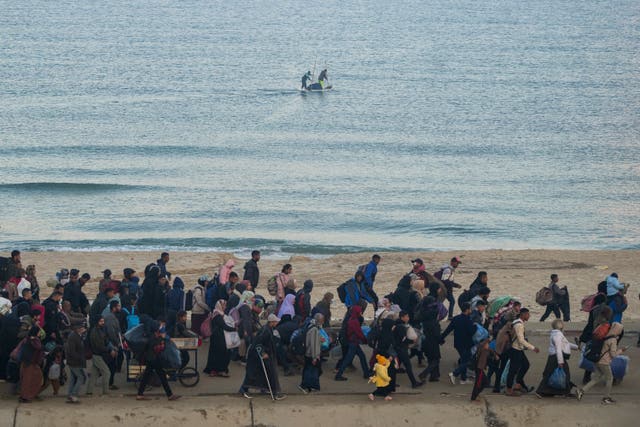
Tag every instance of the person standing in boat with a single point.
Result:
(305, 79)
(323, 77)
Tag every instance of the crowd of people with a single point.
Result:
(65, 338)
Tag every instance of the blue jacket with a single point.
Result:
(463, 329)
(355, 293)
(370, 273)
(613, 286)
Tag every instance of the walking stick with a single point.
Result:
(264, 369)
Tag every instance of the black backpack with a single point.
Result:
(298, 343)
(188, 300)
(342, 292)
(593, 349)
(4, 269)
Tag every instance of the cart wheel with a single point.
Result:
(188, 377)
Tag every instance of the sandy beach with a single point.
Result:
(520, 273)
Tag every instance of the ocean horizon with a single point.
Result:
(181, 126)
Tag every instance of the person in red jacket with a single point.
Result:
(355, 338)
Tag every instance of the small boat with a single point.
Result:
(317, 87)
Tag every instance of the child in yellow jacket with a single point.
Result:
(381, 378)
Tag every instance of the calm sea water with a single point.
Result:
(453, 124)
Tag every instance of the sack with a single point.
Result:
(558, 379)
(205, 327)
(5, 306)
(587, 303)
(231, 338)
(170, 356)
(54, 372)
(619, 367)
(136, 339)
(480, 335)
(188, 300)
(544, 296)
(601, 331)
(4, 269)
(272, 285)
(342, 292)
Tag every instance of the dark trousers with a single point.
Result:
(518, 368)
(403, 357)
(479, 384)
(354, 350)
(465, 357)
(311, 374)
(281, 353)
(551, 307)
(112, 363)
(184, 358)
(452, 303)
(146, 376)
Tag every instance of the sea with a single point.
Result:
(458, 124)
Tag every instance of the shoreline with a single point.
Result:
(520, 273)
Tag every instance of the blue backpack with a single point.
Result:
(132, 318)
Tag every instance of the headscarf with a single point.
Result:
(221, 305)
(225, 270)
(246, 296)
(287, 306)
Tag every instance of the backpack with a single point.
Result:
(361, 268)
(4, 269)
(188, 300)
(211, 296)
(593, 349)
(132, 318)
(298, 343)
(480, 335)
(601, 331)
(342, 292)
(588, 302)
(438, 274)
(272, 285)
(544, 296)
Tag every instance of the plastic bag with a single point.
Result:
(558, 379)
(170, 356)
(619, 367)
(232, 339)
(586, 364)
(325, 341)
(480, 335)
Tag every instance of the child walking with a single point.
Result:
(381, 378)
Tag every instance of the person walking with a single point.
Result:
(402, 341)
(153, 363)
(603, 368)
(559, 352)
(463, 329)
(102, 350)
(251, 270)
(519, 364)
(312, 357)
(76, 361)
(355, 338)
